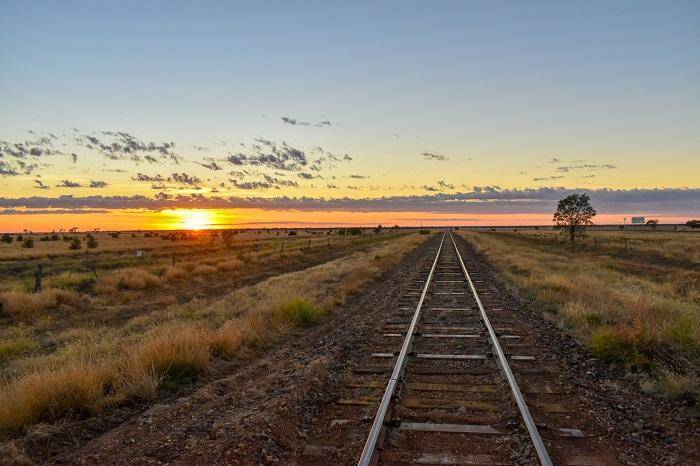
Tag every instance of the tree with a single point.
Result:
(91, 241)
(227, 237)
(573, 214)
(652, 223)
(693, 223)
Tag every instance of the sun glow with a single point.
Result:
(192, 219)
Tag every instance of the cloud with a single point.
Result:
(434, 156)
(52, 211)
(268, 182)
(295, 122)
(588, 166)
(148, 178)
(38, 184)
(98, 184)
(42, 146)
(7, 169)
(481, 199)
(119, 145)
(548, 178)
(211, 165)
(184, 178)
(268, 154)
(69, 184)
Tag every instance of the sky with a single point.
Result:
(129, 115)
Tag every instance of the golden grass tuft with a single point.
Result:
(73, 390)
(228, 339)
(175, 273)
(25, 307)
(204, 269)
(229, 264)
(132, 279)
(179, 351)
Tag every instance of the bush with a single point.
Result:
(74, 244)
(91, 242)
(27, 243)
(424, 232)
(301, 313)
(612, 346)
(6, 238)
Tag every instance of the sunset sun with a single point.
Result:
(193, 219)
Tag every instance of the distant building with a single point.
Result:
(638, 221)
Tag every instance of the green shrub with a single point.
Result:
(28, 243)
(609, 346)
(423, 232)
(301, 313)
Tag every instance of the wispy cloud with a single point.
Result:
(295, 122)
(69, 184)
(434, 156)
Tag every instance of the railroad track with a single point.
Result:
(442, 384)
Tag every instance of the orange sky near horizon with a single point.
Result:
(256, 218)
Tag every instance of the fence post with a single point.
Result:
(37, 281)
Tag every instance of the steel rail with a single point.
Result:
(368, 452)
(542, 453)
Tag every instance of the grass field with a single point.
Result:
(633, 297)
(74, 349)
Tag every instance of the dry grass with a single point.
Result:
(132, 279)
(172, 347)
(204, 269)
(175, 353)
(175, 273)
(25, 307)
(75, 389)
(229, 264)
(629, 311)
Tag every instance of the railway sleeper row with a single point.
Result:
(452, 403)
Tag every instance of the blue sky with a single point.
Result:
(498, 88)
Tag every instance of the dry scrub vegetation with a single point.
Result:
(93, 368)
(638, 309)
